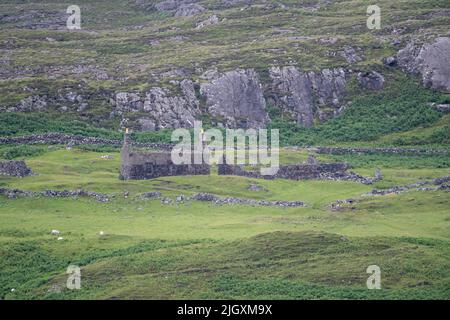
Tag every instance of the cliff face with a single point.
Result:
(308, 95)
(158, 108)
(431, 61)
(236, 99)
(156, 64)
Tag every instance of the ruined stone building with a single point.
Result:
(138, 165)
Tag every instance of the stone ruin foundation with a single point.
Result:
(138, 165)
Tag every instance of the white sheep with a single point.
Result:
(55, 232)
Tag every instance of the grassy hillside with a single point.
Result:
(200, 250)
(133, 247)
(138, 47)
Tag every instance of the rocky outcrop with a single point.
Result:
(441, 107)
(62, 100)
(33, 103)
(308, 94)
(431, 61)
(208, 22)
(14, 169)
(350, 55)
(187, 10)
(128, 101)
(168, 111)
(371, 80)
(36, 19)
(236, 99)
(160, 108)
(180, 8)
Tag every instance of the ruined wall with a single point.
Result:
(147, 170)
(143, 166)
(292, 172)
(14, 169)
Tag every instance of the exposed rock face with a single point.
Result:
(33, 103)
(36, 19)
(180, 8)
(232, 3)
(128, 101)
(431, 61)
(295, 93)
(440, 107)
(186, 10)
(210, 21)
(170, 111)
(237, 98)
(14, 169)
(63, 100)
(305, 95)
(350, 55)
(160, 108)
(390, 61)
(371, 80)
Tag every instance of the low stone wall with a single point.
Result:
(339, 151)
(221, 201)
(310, 171)
(16, 193)
(144, 166)
(14, 169)
(292, 172)
(60, 138)
(151, 171)
(442, 183)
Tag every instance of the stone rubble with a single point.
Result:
(16, 193)
(441, 183)
(342, 204)
(14, 169)
(231, 200)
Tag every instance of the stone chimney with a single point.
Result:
(126, 138)
(125, 155)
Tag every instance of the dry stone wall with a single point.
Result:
(14, 169)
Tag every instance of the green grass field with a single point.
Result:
(200, 250)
